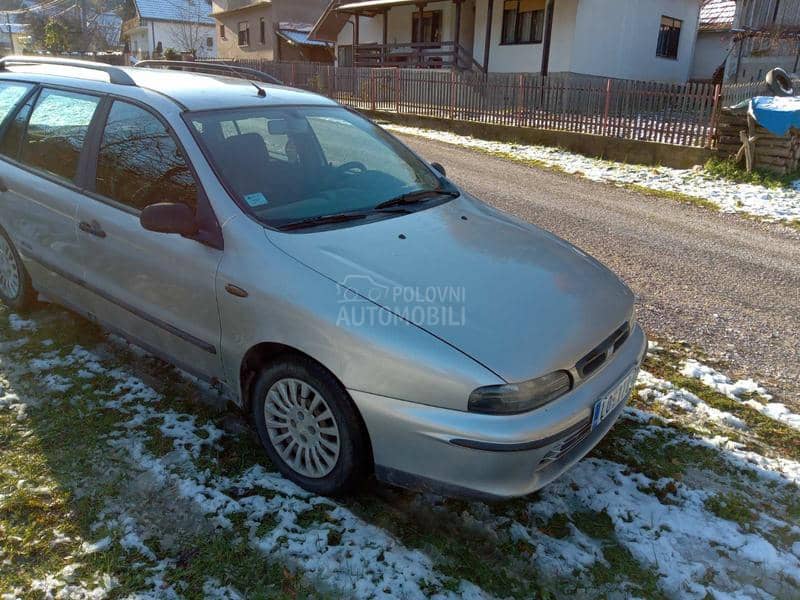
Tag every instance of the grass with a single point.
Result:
(62, 447)
(623, 570)
(669, 195)
(733, 507)
(728, 170)
(771, 435)
(57, 474)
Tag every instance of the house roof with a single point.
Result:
(338, 13)
(242, 8)
(175, 10)
(371, 6)
(298, 33)
(717, 15)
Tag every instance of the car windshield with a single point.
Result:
(311, 165)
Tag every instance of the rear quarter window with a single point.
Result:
(56, 132)
(11, 94)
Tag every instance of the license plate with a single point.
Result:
(612, 399)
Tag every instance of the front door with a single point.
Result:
(43, 152)
(158, 289)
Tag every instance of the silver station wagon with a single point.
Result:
(369, 315)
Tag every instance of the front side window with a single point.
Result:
(139, 162)
(56, 131)
(669, 36)
(296, 163)
(244, 33)
(523, 21)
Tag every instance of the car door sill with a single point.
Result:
(188, 337)
(210, 379)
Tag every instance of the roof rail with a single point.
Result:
(219, 68)
(115, 74)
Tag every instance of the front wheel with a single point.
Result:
(309, 426)
(16, 290)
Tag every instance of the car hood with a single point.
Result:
(515, 298)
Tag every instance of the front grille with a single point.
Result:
(563, 447)
(598, 356)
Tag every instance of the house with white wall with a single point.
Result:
(630, 39)
(714, 39)
(182, 25)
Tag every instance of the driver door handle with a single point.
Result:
(92, 228)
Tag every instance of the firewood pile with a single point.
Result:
(739, 136)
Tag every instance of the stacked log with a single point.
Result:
(780, 155)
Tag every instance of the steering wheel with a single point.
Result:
(351, 166)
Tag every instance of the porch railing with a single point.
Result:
(429, 55)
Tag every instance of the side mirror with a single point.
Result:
(169, 217)
(439, 168)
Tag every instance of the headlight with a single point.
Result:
(513, 398)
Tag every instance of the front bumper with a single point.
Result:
(492, 457)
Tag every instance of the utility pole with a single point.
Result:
(82, 25)
(10, 33)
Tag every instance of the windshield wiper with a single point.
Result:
(417, 197)
(322, 220)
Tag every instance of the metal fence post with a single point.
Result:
(603, 130)
(453, 94)
(397, 90)
(372, 89)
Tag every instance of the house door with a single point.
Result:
(431, 27)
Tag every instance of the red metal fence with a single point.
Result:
(682, 114)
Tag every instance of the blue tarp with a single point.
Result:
(777, 115)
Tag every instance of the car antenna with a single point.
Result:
(262, 93)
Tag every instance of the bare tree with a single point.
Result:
(191, 30)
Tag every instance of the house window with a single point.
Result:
(244, 33)
(523, 21)
(222, 32)
(209, 42)
(345, 56)
(431, 27)
(669, 36)
(262, 30)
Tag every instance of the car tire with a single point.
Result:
(779, 82)
(16, 289)
(301, 413)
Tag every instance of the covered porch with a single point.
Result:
(411, 34)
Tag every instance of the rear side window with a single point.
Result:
(11, 93)
(140, 163)
(56, 132)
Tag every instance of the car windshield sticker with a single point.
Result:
(256, 200)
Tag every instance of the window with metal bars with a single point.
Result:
(669, 35)
(523, 22)
(244, 33)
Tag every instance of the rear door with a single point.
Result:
(43, 153)
(157, 289)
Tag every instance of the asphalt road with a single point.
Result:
(725, 284)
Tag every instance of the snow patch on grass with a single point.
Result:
(678, 399)
(736, 390)
(694, 552)
(768, 203)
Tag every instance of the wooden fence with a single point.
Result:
(682, 114)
